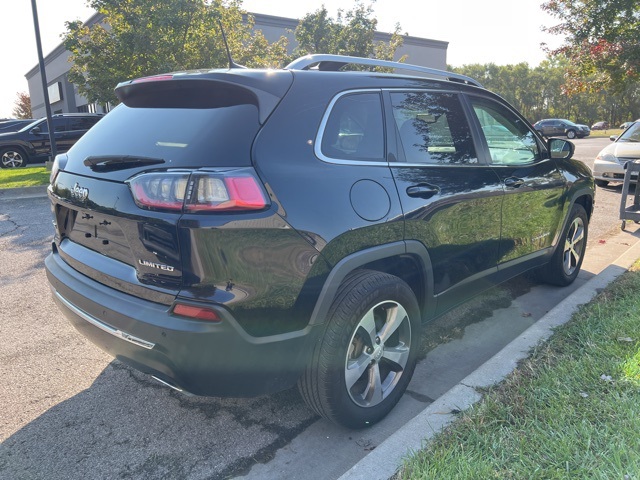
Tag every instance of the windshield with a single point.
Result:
(631, 134)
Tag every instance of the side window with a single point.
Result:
(509, 139)
(81, 123)
(433, 128)
(60, 125)
(354, 129)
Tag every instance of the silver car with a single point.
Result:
(609, 165)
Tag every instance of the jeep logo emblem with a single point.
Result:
(80, 193)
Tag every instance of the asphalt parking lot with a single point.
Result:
(70, 411)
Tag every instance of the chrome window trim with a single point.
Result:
(317, 147)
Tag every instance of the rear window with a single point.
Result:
(182, 137)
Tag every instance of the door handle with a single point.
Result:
(513, 182)
(423, 191)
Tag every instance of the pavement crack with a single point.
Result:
(15, 226)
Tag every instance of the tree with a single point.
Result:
(147, 37)
(539, 92)
(351, 33)
(601, 42)
(22, 107)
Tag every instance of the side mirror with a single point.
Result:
(613, 138)
(561, 149)
(36, 130)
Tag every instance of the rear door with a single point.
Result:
(451, 199)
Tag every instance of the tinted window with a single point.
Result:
(509, 139)
(354, 129)
(82, 123)
(183, 137)
(433, 128)
(59, 125)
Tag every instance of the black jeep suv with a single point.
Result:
(32, 143)
(235, 232)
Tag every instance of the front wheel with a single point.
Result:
(571, 134)
(602, 183)
(365, 360)
(564, 266)
(12, 158)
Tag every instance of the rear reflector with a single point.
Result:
(199, 313)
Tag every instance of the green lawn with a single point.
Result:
(23, 177)
(570, 411)
(606, 133)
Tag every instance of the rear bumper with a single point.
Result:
(203, 358)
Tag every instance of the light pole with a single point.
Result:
(43, 76)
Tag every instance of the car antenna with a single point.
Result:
(232, 64)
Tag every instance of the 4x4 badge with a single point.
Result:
(81, 193)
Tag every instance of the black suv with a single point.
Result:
(235, 232)
(32, 143)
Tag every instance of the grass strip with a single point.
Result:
(23, 177)
(570, 411)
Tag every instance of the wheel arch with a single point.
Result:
(408, 260)
(583, 197)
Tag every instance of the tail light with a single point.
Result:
(198, 191)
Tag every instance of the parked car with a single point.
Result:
(558, 127)
(32, 143)
(600, 126)
(14, 125)
(237, 232)
(609, 165)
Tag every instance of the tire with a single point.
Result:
(571, 134)
(12, 158)
(564, 266)
(363, 363)
(602, 183)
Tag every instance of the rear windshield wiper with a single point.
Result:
(109, 163)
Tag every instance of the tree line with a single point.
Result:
(541, 92)
(594, 76)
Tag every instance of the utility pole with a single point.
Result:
(43, 76)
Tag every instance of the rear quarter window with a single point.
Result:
(354, 129)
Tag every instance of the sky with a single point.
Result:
(499, 31)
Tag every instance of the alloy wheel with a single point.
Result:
(378, 353)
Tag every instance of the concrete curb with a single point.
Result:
(23, 192)
(384, 461)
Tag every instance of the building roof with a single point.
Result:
(260, 20)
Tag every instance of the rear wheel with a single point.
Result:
(566, 261)
(365, 360)
(12, 158)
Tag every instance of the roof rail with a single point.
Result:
(333, 63)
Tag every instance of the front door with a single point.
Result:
(532, 211)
